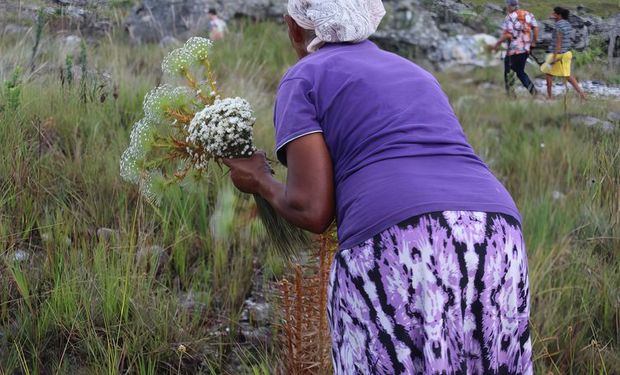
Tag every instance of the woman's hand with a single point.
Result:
(249, 174)
(307, 198)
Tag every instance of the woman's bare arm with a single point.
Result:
(558, 45)
(307, 199)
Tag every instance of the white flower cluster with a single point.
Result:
(163, 140)
(198, 47)
(179, 61)
(139, 144)
(130, 168)
(141, 137)
(222, 130)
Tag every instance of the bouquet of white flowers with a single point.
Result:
(185, 128)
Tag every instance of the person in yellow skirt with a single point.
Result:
(558, 63)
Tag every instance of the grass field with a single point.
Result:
(85, 290)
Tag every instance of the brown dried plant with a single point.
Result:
(305, 334)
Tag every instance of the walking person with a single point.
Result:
(559, 60)
(520, 30)
(431, 275)
(217, 26)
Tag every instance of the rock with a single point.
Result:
(191, 303)
(591, 122)
(254, 324)
(494, 8)
(15, 29)
(466, 50)
(260, 337)
(613, 117)
(152, 20)
(76, 13)
(416, 28)
(70, 45)
(108, 235)
(613, 49)
(258, 313)
(451, 11)
(83, 16)
(410, 32)
(169, 42)
(49, 11)
(152, 256)
(80, 3)
(592, 88)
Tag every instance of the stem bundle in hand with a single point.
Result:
(185, 128)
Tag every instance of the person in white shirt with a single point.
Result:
(217, 26)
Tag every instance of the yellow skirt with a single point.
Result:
(561, 68)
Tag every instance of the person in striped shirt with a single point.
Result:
(559, 59)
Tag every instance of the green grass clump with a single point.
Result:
(94, 280)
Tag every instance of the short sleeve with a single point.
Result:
(295, 114)
(533, 20)
(508, 27)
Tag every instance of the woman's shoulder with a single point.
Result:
(564, 25)
(300, 71)
(311, 66)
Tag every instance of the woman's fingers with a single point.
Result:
(227, 162)
(230, 163)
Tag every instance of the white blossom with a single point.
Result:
(198, 48)
(177, 62)
(223, 130)
(130, 168)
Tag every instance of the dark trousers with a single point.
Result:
(516, 63)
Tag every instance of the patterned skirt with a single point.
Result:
(442, 293)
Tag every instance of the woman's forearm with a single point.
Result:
(558, 43)
(299, 209)
(505, 37)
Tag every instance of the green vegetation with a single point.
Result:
(83, 288)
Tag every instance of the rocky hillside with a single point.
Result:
(443, 31)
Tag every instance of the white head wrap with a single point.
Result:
(336, 21)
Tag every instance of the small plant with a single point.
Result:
(83, 63)
(305, 333)
(37, 37)
(66, 73)
(13, 90)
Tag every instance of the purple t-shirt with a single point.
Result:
(397, 147)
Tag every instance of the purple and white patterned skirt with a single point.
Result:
(441, 293)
